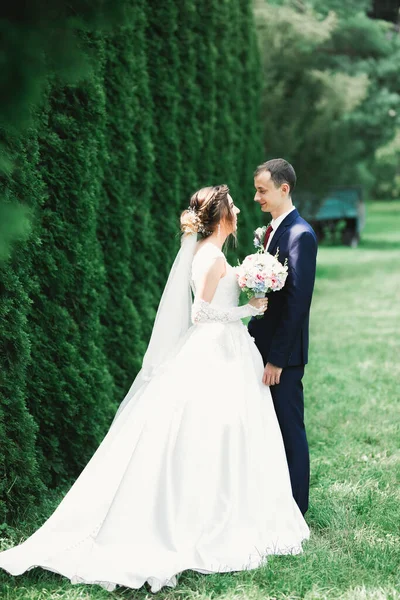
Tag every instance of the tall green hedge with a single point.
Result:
(170, 104)
(20, 481)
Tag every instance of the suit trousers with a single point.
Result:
(289, 407)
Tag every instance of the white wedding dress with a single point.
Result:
(191, 475)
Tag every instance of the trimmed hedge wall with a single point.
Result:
(171, 104)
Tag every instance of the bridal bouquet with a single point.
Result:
(261, 273)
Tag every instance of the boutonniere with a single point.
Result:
(259, 236)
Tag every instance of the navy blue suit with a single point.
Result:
(281, 336)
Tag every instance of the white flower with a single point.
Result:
(260, 232)
(251, 282)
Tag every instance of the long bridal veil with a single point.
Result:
(172, 320)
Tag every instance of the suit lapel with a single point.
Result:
(287, 221)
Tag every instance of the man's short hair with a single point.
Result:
(281, 172)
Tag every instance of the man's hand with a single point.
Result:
(271, 375)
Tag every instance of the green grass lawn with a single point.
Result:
(352, 413)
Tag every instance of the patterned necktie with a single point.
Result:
(267, 234)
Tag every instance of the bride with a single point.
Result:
(192, 473)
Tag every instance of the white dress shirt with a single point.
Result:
(275, 224)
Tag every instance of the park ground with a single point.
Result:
(352, 416)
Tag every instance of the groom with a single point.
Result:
(281, 335)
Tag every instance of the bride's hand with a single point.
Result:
(260, 303)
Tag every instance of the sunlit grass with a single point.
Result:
(352, 413)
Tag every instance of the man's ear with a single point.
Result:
(285, 187)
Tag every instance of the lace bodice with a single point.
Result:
(228, 291)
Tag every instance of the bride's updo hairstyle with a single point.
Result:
(208, 207)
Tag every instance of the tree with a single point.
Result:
(166, 103)
(327, 105)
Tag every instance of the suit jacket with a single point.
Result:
(281, 335)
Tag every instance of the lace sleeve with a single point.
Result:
(203, 312)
